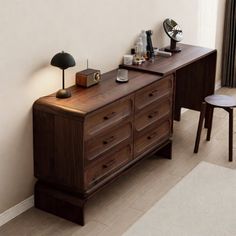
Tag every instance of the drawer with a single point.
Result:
(103, 142)
(108, 116)
(153, 92)
(148, 140)
(154, 113)
(107, 165)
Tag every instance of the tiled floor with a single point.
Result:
(114, 209)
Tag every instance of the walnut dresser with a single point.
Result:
(83, 143)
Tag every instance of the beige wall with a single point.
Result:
(33, 31)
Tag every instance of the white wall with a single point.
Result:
(33, 31)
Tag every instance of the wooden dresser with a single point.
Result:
(84, 142)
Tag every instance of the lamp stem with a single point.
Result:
(63, 79)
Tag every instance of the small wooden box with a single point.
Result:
(88, 77)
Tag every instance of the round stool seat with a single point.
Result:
(221, 101)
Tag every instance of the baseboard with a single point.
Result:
(16, 210)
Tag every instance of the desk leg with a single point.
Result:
(59, 203)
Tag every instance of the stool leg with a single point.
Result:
(199, 130)
(211, 110)
(231, 118)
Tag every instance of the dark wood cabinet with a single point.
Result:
(84, 142)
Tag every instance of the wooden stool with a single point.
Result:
(211, 102)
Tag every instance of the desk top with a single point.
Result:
(167, 65)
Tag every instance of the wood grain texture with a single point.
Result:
(153, 92)
(87, 141)
(152, 136)
(194, 82)
(153, 113)
(100, 144)
(110, 115)
(194, 68)
(107, 164)
(96, 116)
(58, 150)
(86, 100)
(138, 189)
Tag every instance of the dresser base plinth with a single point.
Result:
(59, 203)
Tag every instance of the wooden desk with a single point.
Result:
(194, 68)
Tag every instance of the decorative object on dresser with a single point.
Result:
(83, 144)
(175, 33)
(63, 60)
(122, 76)
(216, 101)
(150, 50)
(88, 77)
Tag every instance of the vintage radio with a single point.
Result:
(88, 77)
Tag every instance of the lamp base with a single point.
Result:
(63, 93)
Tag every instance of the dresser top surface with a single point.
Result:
(166, 65)
(86, 100)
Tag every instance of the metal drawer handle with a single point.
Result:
(109, 116)
(108, 140)
(109, 164)
(153, 114)
(152, 136)
(153, 93)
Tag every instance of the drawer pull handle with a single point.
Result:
(109, 116)
(153, 114)
(109, 164)
(153, 93)
(108, 140)
(151, 136)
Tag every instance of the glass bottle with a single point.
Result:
(139, 49)
(143, 35)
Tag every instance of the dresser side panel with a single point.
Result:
(58, 150)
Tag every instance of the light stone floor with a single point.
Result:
(113, 210)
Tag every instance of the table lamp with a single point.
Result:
(63, 60)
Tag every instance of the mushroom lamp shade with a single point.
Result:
(63, 61)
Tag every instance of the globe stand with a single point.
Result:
(172, 47)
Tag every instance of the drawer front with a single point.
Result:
(100, 144)
(154, 113)
(153, 92)
(108, 116)
(103, 167)
(149, 139)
